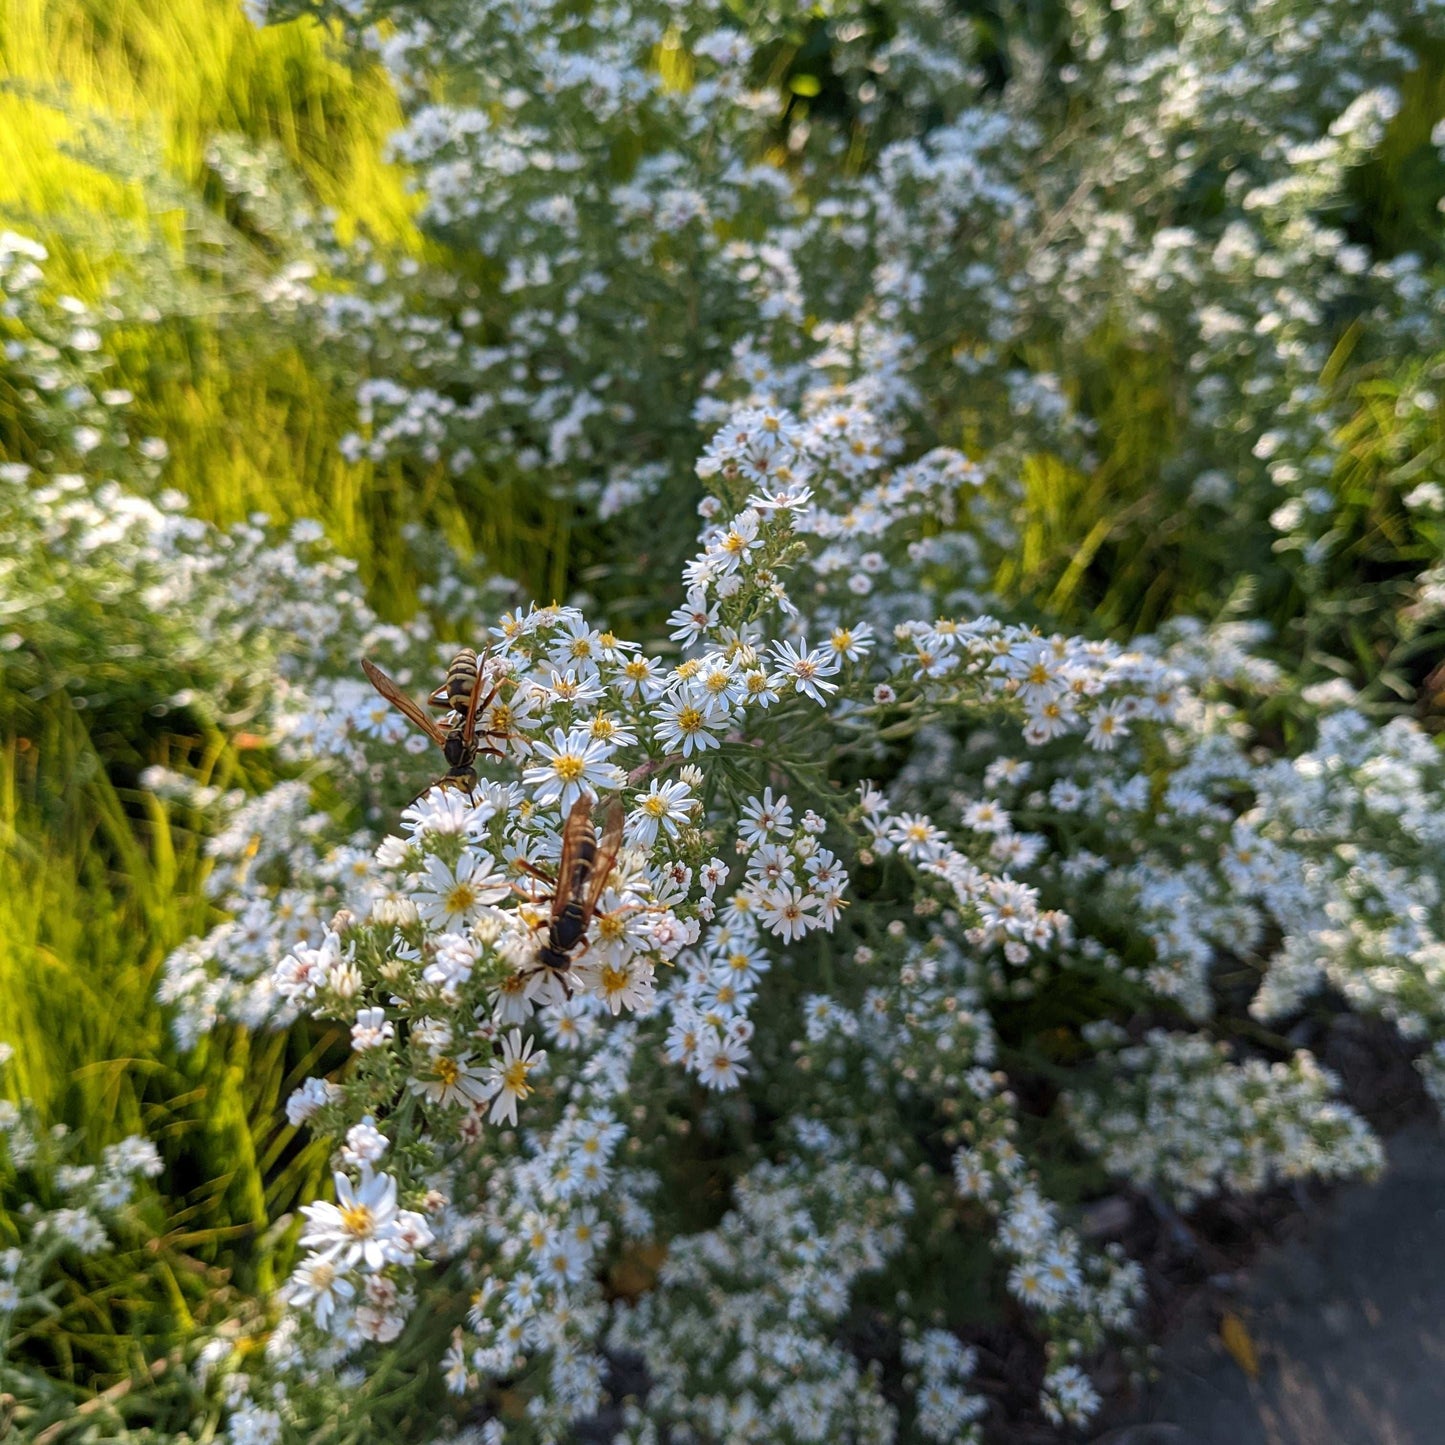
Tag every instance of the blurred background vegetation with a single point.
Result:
(117, 119)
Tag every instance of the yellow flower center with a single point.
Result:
(689, 720)
(514, 1076)
(569, 767)
(358, 1221)
(614, 980)
(461, 898)
(448, 1071)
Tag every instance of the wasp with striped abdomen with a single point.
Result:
(583, 869)
(461, 695)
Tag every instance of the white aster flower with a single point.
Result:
(357, 1229)
(509, 1076)
(572, 763)
(448, 898)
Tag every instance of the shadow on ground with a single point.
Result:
(1347, 1321)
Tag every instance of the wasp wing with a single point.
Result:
(607, 851)
(579, 847)
(401, 702)
(469, 722)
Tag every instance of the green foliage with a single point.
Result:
(164, 149)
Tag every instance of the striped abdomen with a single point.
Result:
(461, 680)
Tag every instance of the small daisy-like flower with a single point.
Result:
(570, 687)
(355, 1229)
(572, 763)
(508, 1080)
(448, 813)
(562, 1263)
(734, 545)
(640, 677)
(712, 875)
(606, 728)
(719, 1062)
(320, 1284)
(577, 645)
(371, 1029)
(684, 723)
(852, 643)
(805, 671)
(449, 898)
(786, 496)
(451, 1082)
(454, 1365)
(764, 818)
(693, 618)
(758, 688)
(661, 809)
(917, 838)
(625, 984)
(1107, 726)
(788, 912)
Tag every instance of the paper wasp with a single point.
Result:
(582, 873)
(461, 693)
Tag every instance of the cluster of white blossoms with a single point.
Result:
(800, 1037)
(517, 1132)
(946, 1411)
(1195, 220)
(549, 1090)
(87, 1205)
(739, 1337)
(1186, 1121)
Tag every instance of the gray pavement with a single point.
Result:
(1348, 1320)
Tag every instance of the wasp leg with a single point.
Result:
(535, 871)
